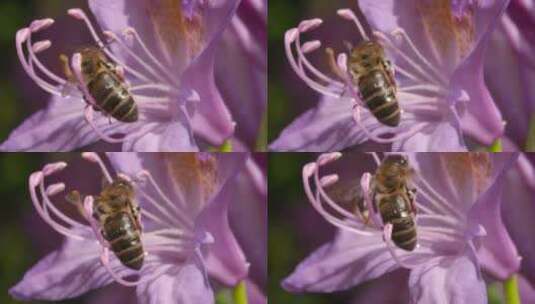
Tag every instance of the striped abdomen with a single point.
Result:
(124, 238)
(395, 209)
(378, 93)
(112, 97)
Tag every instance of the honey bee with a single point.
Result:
(118, 214)
(372, 73)
(104, 84)
(392, 195)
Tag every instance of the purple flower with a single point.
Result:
(184, 200)
(510, 79)
(242, 59)
(458, 222)
(517, 215)
(165, 53)
(437, 56)
(248, 219)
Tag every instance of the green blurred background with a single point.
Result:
(24, 237)
(19, 96)
(295, 229)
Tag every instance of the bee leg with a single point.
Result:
(64, 61)
(412, 195)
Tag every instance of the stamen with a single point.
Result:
(80, 15)
(35, 180)
(41, 24)
(424, 187)
(141, 62)
(387, 236)
(52, 190)
(131, 31)
(425, 87)
(387, 42)
(376, 158)
(105, 260)
(306, 26)
(40, 46)
(95, 226)
(329, 180)
(88, 114)
(290, 38)
(155, 86)
(23, 36)
(322, 160)
(171, 221)
(95, 158)
(308, 171)
(173, 207)
(398, 137)
(401, 33)
(53, 168)
(365, 185)
(55, 189)
(349, 15)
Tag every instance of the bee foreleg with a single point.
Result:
(64, 61)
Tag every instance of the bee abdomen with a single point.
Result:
(125, 240)
(380, 99)
(404, 233)
(112, 97)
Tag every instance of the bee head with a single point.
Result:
(92, 59)
(119, 191)
(394, 170)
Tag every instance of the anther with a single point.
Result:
(308, 25)
(76, 13)
(35, 178)
(55, 189)
(22, 35)
(311, 46)
(329, 180)
(309, 169)
(53, 168)
(328, 158)
(41, 46)
(41, 24)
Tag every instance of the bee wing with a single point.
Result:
(348, 194)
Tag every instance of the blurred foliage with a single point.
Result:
(286, 245)
(18, 252)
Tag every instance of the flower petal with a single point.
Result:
(443, 137)
(185, 285)
(389, 288)
(225, 260)
(327, 127)
(213, 120)
(461, 177)
(454, 280)
(518, 211)
(248, 218)
(346, 262)
(163, 137)
(59, 127)
(66, 273)
(498, 253)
